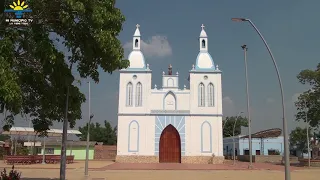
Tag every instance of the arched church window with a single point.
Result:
(210, 95)
(201, 95)
(136, 43)
(203, 43)
(139, 94)
(129, 94)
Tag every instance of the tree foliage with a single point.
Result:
(35, 70)
(228, 124)
(298, 139)
(4, 137)
(105, 134)
(308, 103)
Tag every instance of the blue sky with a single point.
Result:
(291, 27)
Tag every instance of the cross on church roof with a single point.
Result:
(137, 25)
(202, 26)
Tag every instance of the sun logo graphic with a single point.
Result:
(19, 8)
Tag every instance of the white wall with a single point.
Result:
(194, 140)
(195, 80)
(145, 79)
(158, 96)
(146, 133)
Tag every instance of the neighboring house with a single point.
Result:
(260, 146)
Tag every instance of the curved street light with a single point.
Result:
(285, 130)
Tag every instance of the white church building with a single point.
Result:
(167, 123)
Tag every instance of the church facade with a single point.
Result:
(166, 123)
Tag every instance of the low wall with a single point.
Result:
(313, 162)
(184, 159)
(106, 152)
(261, 158)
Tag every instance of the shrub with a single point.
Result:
(13, 174)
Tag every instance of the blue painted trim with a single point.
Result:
(166, 75)
(168, 114)
(137, 70)
(168, 82)
(204, 94)
(205, 71)
(165, 92)
(141, 93)
(161, 122)
(127, 94)
(213, 98)
(164, 97)
(202, 151)
(197, 61)
(129, 134)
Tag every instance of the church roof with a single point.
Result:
(137, 32)
(204, 61)
(203, 32)
(136, 57)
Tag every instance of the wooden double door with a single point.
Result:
(170, 146)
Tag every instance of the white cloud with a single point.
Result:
(270, 100)
(228, 106)
(156, 46)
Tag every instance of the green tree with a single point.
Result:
(106, 134)
(35, 70)
(4, 137)
(298, 139)
(308, 103)
(228, 124)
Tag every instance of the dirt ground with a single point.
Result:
(107, 170)
(172, 175)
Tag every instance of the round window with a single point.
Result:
(205, 77)
(134, 76)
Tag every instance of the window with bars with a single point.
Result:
(210, 95)
(129, 94)
(139, 94)
(201, 95)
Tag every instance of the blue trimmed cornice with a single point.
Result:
(136, 70)
(203, 71)
(166, 113)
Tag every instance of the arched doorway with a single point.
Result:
(170, 146)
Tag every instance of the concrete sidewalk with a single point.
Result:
(75, 165)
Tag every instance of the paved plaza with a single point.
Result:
(100, 170)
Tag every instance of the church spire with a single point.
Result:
(203, 39)
(136, 38)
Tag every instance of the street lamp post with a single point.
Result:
(234, 143)
(285, 130)
(245, 49)
(88, 135)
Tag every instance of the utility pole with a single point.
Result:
(245, 49)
